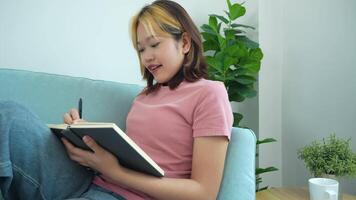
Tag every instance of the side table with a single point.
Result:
(292, 193)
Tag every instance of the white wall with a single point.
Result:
(81, 38)
(87, 38)
(270, 82)
(90, 38)
(307, 86)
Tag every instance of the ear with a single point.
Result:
(187, 42)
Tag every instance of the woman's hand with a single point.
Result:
(100, 159)
(72, 117)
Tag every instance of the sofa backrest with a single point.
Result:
(50, 96)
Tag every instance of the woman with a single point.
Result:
(181, 120)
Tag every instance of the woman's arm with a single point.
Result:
(207, 170)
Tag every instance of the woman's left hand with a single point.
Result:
(100, 159)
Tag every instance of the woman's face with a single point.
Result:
(162, 56)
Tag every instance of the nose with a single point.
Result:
(147, 57)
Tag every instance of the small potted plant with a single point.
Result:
(333, 158)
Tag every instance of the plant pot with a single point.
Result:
(332, 176)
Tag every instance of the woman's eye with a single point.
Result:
(155, 45)
(141, 50)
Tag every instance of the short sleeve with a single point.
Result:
(213, 115)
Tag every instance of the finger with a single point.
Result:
(67, 144)
(67, 118)
(74, 113)
(80, 155)
(72, 149)
(84, 164)
(76, 158)
(92, 144)
(78, 121)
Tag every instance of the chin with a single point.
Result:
(161, 80)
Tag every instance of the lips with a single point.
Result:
(153, 68)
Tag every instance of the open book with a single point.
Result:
(113, 139)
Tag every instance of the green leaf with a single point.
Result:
(241, 71)
(208, 29)
(222, 18)
(242, 25)
(232, 50)
(261, 189)
(213, 23)
(256, 54)
(249, 43)
(229, 76)
(234, 30)
(215, 63)
(222, 42)
(219, 78)
(210, 45)
(265, 170)
(241, 91)
(208, 36)
(267, 140)
(242, 50)
(258, 180)
(228, 61)
(236, 11)
(228, 3)
(219, 27)
(235, 96)
(230, 34)
(237, 119)
(245, 80)
(246, 91)
(253, 67)
(228, 14)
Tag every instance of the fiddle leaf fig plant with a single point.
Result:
(232, 57)
(235, 60)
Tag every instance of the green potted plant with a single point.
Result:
(235, 60)
(333, 157)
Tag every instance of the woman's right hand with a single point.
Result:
(72, 117)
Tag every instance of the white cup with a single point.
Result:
(323, 189)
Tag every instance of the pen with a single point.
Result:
(80, 107)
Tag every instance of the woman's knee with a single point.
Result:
(12, 108)
(13, 113)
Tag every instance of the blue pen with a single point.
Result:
(80, 107)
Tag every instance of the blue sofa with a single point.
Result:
(51, 95)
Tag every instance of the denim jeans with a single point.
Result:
(34, 163)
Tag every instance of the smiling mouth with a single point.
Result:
(153, 68)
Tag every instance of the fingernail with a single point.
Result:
(86, 139)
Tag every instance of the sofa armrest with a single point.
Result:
(239, 174)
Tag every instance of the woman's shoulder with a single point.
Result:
(208, 85)
(201, 87)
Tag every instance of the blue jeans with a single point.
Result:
(34, 163)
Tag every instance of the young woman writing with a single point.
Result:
(181, 120)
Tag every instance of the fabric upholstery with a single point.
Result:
(50, 96)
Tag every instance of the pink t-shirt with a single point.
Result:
(165, 123)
